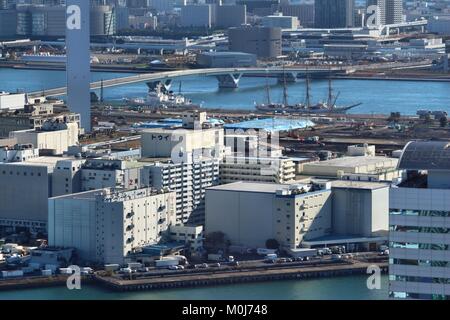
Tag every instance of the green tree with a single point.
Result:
(272, 244)
(443, 122)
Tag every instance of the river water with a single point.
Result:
(376, 96)
(340, 288)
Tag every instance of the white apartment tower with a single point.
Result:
(419, 237)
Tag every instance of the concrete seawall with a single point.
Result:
(244, 276)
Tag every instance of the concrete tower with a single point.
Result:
(78, 60)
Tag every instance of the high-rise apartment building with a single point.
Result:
(390, 11)
(419, 234)
(334, 13)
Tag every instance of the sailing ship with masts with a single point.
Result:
(307, 107)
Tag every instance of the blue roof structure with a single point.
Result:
(272, 124)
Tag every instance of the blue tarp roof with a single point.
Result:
(272, 124)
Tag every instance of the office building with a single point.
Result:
(8, 24)
(105, 226)
(197, 16)
(419, 222)
(228, 16)
(280, 21)
(390, 11)
(262, 41)
(334, 13)
(304, 12)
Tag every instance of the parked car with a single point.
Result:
(215, 265)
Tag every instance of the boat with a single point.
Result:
(328, 107)
(160, 97)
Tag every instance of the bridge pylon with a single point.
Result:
(229, 81)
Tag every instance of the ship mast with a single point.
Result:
(308, 96)
(269, 102)
(285, 93)
(330, 102)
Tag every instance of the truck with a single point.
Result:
(215, 257)
(12, 274)
(166, 262)
(303, 253)
(264, 251)
(271, 257)
(112, 267)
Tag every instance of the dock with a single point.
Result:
(237, 276)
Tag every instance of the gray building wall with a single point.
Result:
(244, 222)
(334, 13)
(8, 23)
(25, 190)
(230, 16)
(360, 212)
(261, 41)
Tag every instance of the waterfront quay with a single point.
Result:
(214, 278)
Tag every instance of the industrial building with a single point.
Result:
(419, 224)
(226, 60)
(53, 137)
(372, 168)
(262, 41)
(105, 226)
(12, 101)
(26, 187)
(286, 213)
(315, 214)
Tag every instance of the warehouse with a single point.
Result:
(226, 60)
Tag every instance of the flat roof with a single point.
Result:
(41, 161)
(355, 161)
(272, 124)
(365, 185)
(250, 187)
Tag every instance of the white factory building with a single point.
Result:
(316, 214)
(419, 224)
(54, 137)
(12, 101)
(105, 226)
(372, 168)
